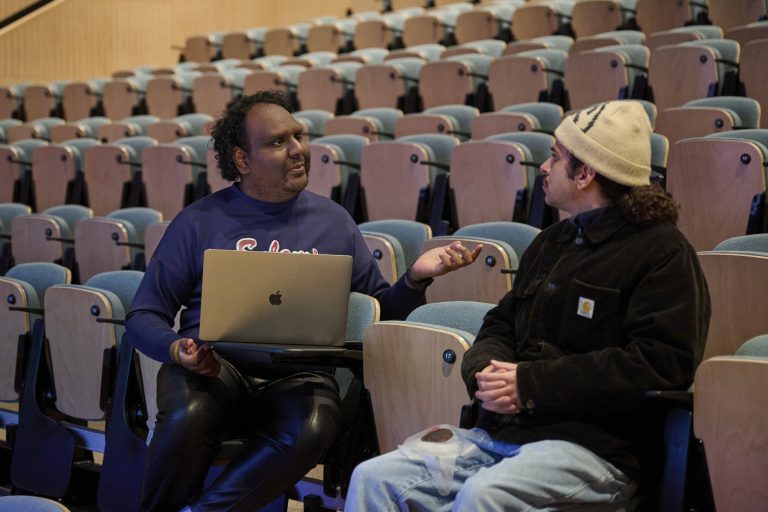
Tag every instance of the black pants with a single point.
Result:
(289, 424)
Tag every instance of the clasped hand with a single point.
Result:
(497, 388)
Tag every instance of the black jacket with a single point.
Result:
(595, 321)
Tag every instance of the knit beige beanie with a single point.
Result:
(613, 138)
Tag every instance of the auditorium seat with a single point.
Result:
(486, 21)
(23, 288)
(423, 352)
(47, 236)
(681, 35)
(328, 88)
(745, 34)
(57, 172)
(697, 118)
(212, 92)
(4, 125)
(492, 276)
(454, 80)
(531, 117)
(735, 280)
(187, 125)
(398, 176)
(388, 84)
(12, 101)
(607, 39)
(174, 173)
(331, 35)
(395, 244)
(382, 31)
(525, 77)
(373, 123)
(691, 70)
(313, 121)
(334, 159)
(590, 17)
(729, 418)
(754, 74)
(536, 19)
(554, 42)
(428, 52)
(431, 27)
(112, 174)
(126, 96)
(83, 128)
(733, 13)
(16, 171)
(132, 126)
(453, 120)
(288, 41)
(202, 47)
(363, 56)
(279, 78)
(83, 99)
(37, 129)
(245, 44)
(619, 68)
(311, 59)
(113, 242)
(716, 180)
(492, 47)
(82, 330)
(657, 15)
(171, 95)
(44, 100)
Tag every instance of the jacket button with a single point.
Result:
(530, 404)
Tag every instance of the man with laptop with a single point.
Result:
(202, 398)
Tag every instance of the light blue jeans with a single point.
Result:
(543, 476)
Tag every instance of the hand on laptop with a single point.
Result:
(441, 260)
(196, 358)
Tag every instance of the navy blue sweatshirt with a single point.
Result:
(230, 219)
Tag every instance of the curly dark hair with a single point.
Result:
(645, 205)
(229, 130)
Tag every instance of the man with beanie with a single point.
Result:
(606, 305)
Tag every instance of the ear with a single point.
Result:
(585, 177)
(240, 157)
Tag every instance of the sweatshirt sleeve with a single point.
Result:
(665, 327)
(150, 323)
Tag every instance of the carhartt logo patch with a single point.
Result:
(586, 307)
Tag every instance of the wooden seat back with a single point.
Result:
(488, 280)
(714, 181)
(490, 170)
(729, 417)
(736, 284)
(392, 176)
(401, 357)
(679, 74)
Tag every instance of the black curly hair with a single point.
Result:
(229, 130)
(644, 205)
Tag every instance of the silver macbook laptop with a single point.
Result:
(275, 298)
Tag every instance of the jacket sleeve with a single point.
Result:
(494, 341)
(665, 327)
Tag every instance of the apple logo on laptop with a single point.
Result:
(275, 299)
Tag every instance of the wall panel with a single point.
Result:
(81, 39)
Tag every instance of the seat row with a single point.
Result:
(677, 66)
(460, 23)
(433, 177)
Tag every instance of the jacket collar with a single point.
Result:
(608, 222)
